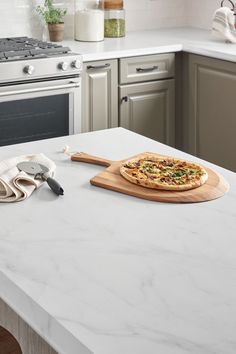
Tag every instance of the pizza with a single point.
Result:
(167, 173)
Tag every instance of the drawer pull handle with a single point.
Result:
(98, 67)
(146, 70)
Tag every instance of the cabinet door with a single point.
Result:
(99, 95)
(212, 115)
(148, 109)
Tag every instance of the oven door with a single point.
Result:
(39, 110)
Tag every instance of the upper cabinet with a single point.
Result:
(210, 109)
(99, 95)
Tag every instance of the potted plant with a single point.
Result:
(53, 16)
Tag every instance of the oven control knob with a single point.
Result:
(76, 64)
(29, 69)
(63, 66)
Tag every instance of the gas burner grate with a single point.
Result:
(25, 47)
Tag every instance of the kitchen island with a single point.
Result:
(99, 272)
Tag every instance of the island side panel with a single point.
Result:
(29, 341)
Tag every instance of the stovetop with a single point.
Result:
(26, 48)
(23, 59)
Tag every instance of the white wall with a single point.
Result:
(200, 12)
(151, 14)
(18, 17)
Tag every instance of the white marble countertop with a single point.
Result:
(191, 40)
(99, 272)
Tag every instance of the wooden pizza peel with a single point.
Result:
(215, 187)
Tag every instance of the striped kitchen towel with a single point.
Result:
(16, 185)
(224, 24)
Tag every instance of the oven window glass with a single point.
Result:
(34, 119)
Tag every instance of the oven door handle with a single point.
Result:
(41, 89)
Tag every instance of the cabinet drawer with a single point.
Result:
(146, 68)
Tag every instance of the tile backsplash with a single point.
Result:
(18, 17)
(200, 12)
(151, 14)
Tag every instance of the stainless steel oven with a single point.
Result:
(39, 110)
(40, 93)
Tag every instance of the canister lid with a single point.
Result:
(113, 4)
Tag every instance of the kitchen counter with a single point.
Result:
(190, 40)
(99, 272)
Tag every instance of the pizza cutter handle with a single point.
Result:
(82, 157)
(55, 186)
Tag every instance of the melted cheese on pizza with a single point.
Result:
(166, 171)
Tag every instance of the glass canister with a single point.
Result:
(89, 22)
(114, 23)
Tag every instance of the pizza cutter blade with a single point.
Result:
(40, 172)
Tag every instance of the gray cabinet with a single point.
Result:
(211, 110)
(146, 100)
(99, 95)
(148, 109)
(147, 96)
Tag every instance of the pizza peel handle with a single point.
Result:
(95, 160)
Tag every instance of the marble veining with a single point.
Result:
(99, 272)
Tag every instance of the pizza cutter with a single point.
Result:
(40, 172)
